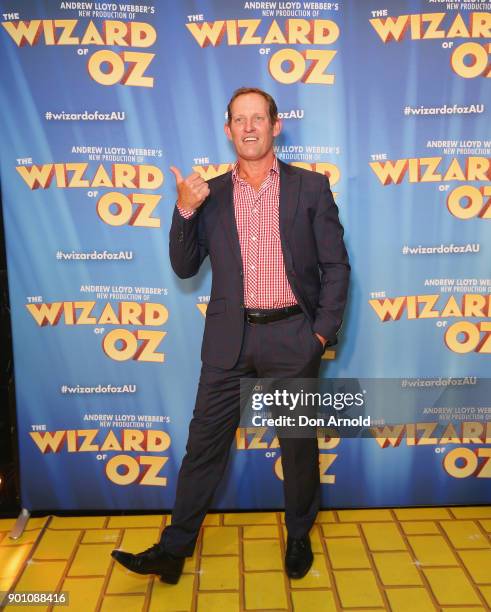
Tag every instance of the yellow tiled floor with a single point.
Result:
(403, 560)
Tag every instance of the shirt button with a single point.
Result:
(253, 267)
(253, 237)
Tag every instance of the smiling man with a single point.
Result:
(280, 280)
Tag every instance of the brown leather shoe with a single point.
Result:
(152, 561)
(299, 557)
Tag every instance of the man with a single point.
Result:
(279, 284)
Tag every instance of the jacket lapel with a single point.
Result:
(227, 214)
(289, 193)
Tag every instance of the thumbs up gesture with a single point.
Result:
(192, 191)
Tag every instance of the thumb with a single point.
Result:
(177, 173)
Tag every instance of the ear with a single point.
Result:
(277, 127)
(226, 129)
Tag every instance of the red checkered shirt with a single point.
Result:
(258, 225)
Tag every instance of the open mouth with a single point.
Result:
(250, 139)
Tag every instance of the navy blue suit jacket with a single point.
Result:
(316, 260)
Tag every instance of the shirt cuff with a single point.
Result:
(187, 214)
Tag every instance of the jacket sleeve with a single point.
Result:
(187, 243)
(333, 266)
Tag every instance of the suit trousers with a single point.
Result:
(282, 349)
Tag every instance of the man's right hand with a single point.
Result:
(191, 191)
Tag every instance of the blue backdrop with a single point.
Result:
(99, 99)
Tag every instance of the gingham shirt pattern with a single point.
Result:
(258, 225)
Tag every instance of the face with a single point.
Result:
(250, 128)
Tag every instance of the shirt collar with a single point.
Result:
(275, 169)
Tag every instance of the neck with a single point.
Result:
(257, 168)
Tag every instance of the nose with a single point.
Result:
(250, 126)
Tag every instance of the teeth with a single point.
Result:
(250, 138)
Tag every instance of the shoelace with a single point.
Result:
(153, 549)
(296, 545)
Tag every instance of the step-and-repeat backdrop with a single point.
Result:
(390, 101)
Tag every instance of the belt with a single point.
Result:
(269, 316)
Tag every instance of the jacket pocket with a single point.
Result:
(216, 307)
